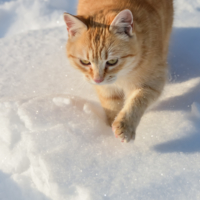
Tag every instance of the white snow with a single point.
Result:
(54, 141)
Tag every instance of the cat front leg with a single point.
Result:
(112, 101)
(126, 122)
(112, 107)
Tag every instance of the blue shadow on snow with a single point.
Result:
(184, 61)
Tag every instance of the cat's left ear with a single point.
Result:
(123, 23)
(74, 25)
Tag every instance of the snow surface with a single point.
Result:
(54, 141)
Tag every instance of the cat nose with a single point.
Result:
(98, 80)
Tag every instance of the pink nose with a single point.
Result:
(98, 80)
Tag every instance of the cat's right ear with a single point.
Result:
(74, 25)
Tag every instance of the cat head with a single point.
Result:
(103, 48)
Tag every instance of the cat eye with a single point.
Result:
(85, 62)
(112, 62)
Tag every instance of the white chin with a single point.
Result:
(94, 83)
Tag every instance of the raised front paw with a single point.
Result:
(123, 128)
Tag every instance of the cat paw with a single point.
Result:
(123, 129)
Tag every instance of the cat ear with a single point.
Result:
(123, 23)
(74, 25)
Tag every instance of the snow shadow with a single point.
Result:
(180, 102)
(188, 141)
(9, 189)
(188, 144)
(184, 54)
(7, 18)
(184, 59)
(184, 62)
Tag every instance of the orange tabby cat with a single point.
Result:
(121, 47)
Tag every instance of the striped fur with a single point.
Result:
(128, 88)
